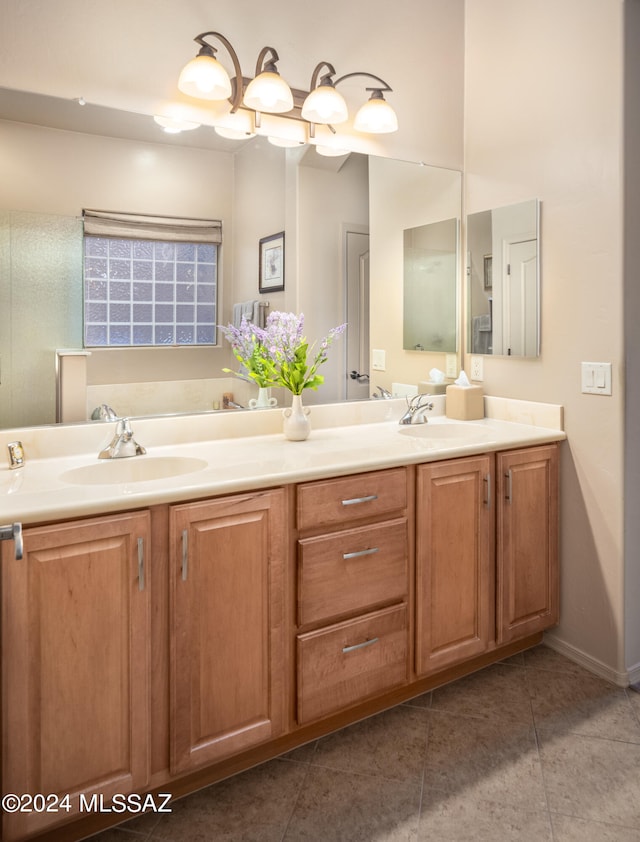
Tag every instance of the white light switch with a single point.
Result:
(596, 378)
(378, 360)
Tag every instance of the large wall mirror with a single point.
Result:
(324, 205)
(503, 272)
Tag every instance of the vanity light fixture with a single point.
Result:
(204, 77)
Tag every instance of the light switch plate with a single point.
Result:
(451, 365)
(378, 360)
(596, 378)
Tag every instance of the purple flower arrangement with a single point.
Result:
(277, 355)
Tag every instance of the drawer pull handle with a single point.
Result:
(13, 532)
(509, 489)
(355, 500)
(362, 645)
(360, 553)
(487, 501)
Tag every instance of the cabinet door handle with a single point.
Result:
(140, 564)
(362, 645)
(185, 554)
(13, 532)
(508, 496)
(354, 500)
(360, 553)
(487, 501)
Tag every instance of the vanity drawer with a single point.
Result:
(346, 663)
(328, 502)
(352, 571)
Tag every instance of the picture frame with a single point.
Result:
(271, 263)
(488, 271)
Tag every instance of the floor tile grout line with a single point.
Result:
(424, 766)
(539, 753)
(303, 783)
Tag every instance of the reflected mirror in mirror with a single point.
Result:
(503, 271)
(430, 288)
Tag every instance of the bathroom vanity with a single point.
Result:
(163, 633)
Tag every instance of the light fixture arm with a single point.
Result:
(382, 87)
(326, 78)
(263, 66)
(207, 49)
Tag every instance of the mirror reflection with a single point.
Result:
(255, 190)
(430, 300)
(504, 280)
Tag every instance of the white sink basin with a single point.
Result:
(460, 432)
(133, 469)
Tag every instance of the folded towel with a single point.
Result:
(249, 309)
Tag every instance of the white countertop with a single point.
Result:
(235, 458)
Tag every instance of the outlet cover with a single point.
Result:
(378, 360)
(477, 369)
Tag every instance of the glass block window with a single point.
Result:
(143, 291)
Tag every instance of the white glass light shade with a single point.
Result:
(376, 116)
(205, 78)
(331, 151)
(285, 142)
(233, 134)
(268, 92)
(325, 105)
(174, 125)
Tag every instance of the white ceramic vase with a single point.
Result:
(263, 401)
(296, 425)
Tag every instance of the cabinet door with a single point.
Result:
(527, 542)
(454, 519)
(227, 626)
(75, 665)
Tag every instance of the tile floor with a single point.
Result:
(533, 748)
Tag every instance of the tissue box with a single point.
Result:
(465, 403)
(428, 387)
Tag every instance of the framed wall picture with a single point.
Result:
(271, 278)
(488, 271)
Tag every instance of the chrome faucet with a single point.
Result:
(104, 413)
(123, 444)
(416, 408)
(381, 392)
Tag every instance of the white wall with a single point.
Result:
(543, 119)
(632, 343)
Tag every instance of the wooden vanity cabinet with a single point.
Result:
(454, 561)
(353, 570)
(227, 656)
(75, 665)
(271, 613)
(527, 542)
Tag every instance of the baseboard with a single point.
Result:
(634, 677)
(621, 679)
